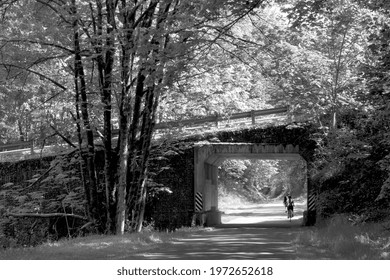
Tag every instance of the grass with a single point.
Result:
(96, 247)
(336, 239)
(339, 239)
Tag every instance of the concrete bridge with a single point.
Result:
(193, 178)
(193, 171)
(209, 156)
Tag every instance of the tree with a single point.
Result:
(172, 42)
(259, 180)
(352, 165)
(120, 57)
(31, 78)
(376, 94)
(316, 48)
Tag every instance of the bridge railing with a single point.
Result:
(217, 118)
(16, 146)
(189, 125)
(217, 122)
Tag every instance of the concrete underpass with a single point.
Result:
(207, 159)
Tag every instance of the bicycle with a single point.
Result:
(290, 208)
(290, 213)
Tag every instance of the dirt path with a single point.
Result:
(273, 213)
(230, 243)
(252, 232)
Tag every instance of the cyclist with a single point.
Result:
(285, 202)
(290, 206)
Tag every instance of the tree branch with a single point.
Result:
(41, 177)
(46, 215)
(36, 73)
(63, 137)
(54, 9)
(40, 43)
(146, 14)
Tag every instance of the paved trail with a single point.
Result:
(256, 232)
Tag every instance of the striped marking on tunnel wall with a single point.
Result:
(312, 202)
(198, 202)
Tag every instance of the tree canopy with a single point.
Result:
(73, 70)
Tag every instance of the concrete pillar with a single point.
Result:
(311, 213)
(210, 186)
(214, 186)
(207, 195)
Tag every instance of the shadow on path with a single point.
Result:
(251, 233)
(230, 243)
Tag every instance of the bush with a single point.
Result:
(339, 237)
(23, 232)
(354, 188)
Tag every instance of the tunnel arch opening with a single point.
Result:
(208, 158)
(251, 191)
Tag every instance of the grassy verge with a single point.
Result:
(334, 239)
(96, 247)
(338, 238)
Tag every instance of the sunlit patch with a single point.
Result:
(54, 244)
(95, 245)
(363, 238)
(126, 241)
(155, 238)
(385, 255)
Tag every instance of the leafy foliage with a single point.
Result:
(261, 180)
(351, 170)
(78, 68)
(58, 191)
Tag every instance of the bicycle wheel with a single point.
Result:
(289, 214)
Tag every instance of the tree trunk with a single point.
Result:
(20, 128)
(334, 119)
(122, 176)
(90, 157)
(105, 61)
(142, 125)
(82, 162)
(132, 188)
(124, 117)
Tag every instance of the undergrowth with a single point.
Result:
(341, 238)
(95, 247)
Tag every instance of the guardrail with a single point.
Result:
(251, 114)
(17, 146)
(191, 124)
